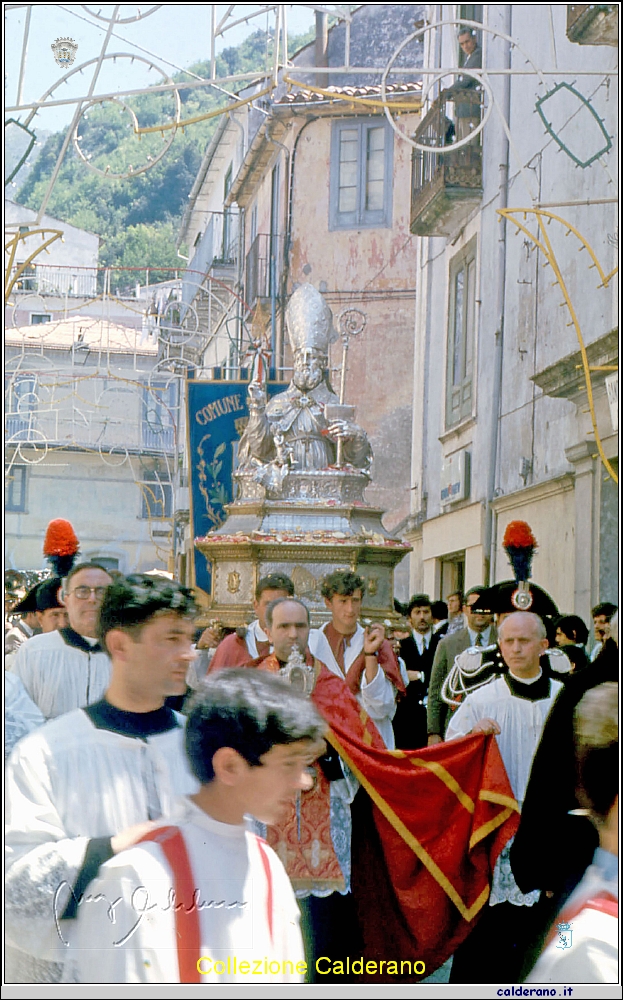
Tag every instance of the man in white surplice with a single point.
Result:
(67, 668)
(85, 786)
(514, 707)
(372, 674)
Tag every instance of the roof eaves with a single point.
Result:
(253, 153)
(221, 128)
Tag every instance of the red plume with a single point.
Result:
(518, 535)
(519, 544)
(60, 539)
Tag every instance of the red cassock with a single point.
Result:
(231, 652)
(425, 839)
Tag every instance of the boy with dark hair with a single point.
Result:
(244, 645)
(601, 615)
(363, 657)
(86, 786)
(417, 652)
(342, 582)
(250, 739)
(439, 611)
(571, 637)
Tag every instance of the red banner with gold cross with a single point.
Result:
(441, 815)
(423, 856)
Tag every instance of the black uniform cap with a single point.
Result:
(42, 596)
(47, 594)
(27, 603)
(499, 600)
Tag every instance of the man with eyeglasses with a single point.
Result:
(86, 786)
(68, 668)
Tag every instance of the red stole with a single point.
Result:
(187, 929)
(231, 652)
(269, 663)
(302, 840)
(386, 658)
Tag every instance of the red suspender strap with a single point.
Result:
(605, 903)
(269, 880)
(187, 931)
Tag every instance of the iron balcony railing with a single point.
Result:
(263, 268)
(440, 130)
(218, 245)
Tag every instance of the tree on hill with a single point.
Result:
(137, 218)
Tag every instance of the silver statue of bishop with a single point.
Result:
(292, 430)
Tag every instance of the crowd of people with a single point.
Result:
(209, 805)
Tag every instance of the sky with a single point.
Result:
(175, 35)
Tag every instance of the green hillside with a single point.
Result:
(138, 218)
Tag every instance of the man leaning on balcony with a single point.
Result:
(465, 92)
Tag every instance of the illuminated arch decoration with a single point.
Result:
(593, 122)
(542, 241)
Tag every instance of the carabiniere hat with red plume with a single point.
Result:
(520, 544)
(520, 594)
(60, 546)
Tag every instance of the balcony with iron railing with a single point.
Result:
(263, 270)
(446, 184)
(217, 248)
(48, 279)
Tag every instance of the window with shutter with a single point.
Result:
(461, 330)
(361, 175)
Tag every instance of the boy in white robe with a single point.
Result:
(339, 644)
(85, 786)
(204, 899)
(583, 946)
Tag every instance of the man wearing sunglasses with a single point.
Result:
(68, 668)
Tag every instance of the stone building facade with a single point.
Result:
(502, 425)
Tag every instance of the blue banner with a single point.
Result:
(217, 414)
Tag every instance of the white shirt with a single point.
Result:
(592, 935)
(66, 783)
(227, 866)
(377, 697)
(484, 634)
(254, 635)
(521, 723)
(59, 677)
(422, 641)
(595, 651)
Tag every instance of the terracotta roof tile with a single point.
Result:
(307, 96)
